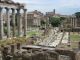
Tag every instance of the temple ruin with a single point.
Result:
(15, 10)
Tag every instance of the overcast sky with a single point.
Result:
(61, 6)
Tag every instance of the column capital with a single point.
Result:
(25, 9)
(18, 9)
(1, 24)
(7, 8)
(13, 9)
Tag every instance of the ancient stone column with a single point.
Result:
(13, 21)
(8, 22)
(78, 55)
(71, 21)
(25, 22)
(12, 49)
(18, 46)
(79, 45)
(4, 53)
(1, 24)
(19, 23)
(75, 22)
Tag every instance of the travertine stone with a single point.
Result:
(19, 23)
(25, 22)
(13, 21)
(12, 49)
(1, 24)
(8, 22)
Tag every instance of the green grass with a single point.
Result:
(75, 37)
(18, 39)
(13, 41)
(31, 33)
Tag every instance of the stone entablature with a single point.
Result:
(11, 4)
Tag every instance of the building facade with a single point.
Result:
(34, 18)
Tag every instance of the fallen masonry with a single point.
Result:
(37, 53)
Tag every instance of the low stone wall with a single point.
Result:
(78, 56)
(72, 30)
(69, 53)
(41, 55)
(14, 52)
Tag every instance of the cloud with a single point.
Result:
(70, 3)
(48, 5)
(54, 3)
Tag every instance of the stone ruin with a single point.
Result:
(16, 53)
(15, 9)
(29, 54)
(71, 55)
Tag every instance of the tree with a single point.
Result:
(77, 14)
(62, 18)
(55, 21)
(43, 22)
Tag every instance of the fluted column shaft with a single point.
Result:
(8, 22)
(71, 22)
(19, 23)
(25, 22)
(13, 21)
(1, 24)
(75, 22)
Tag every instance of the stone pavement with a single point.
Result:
(53, 39)
(65, 38)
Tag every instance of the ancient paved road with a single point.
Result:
(55, 38)
(65, 38)
(57, 41)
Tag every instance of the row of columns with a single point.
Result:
(73, 22)
(19, 22)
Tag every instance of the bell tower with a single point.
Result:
(54, 11)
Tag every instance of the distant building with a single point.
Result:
(34, 18)
(70, 23)
(52, 14)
